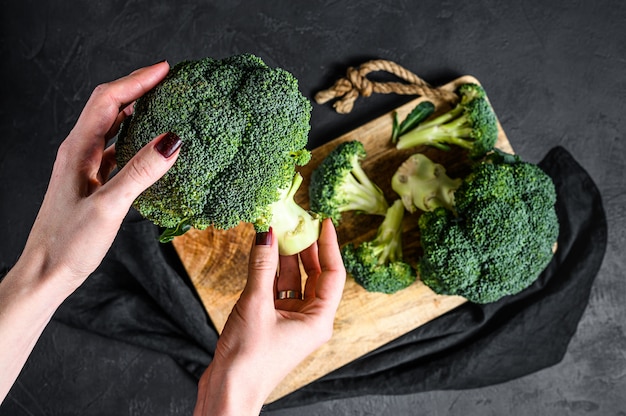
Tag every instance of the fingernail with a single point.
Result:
(159, 62)
(168, 145)
(264, 238)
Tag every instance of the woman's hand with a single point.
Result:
(79, 217)
(83, 210)
(265, 337)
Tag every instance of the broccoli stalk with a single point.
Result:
(471, 125)
(421, 112)
(387, 245)
(423, 184)
(497, 238)
(340, 184)
(377, 265)
(295, 228)
(361, 193)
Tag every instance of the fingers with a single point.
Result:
(144, 169)
(115, 127)
(322, 263)
(102, 111)
(289, 277)
(331, 280)
(108, 163)
(311, 264)
(262, 267)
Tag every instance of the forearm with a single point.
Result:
(28, 299)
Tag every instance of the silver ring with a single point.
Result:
(289, 294)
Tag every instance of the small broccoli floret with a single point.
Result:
(500, 236)
(377, 264)
(423, 184)
(244, 128)
(340, 184)
(471, 124)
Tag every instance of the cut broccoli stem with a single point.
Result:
(295, 227)
(365, 195)
(423, 184)
(387, 245)
(440, 132)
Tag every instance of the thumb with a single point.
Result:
(262, 266)
(144, 169)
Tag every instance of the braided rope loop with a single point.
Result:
(347, 89)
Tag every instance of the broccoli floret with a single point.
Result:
(244, 128)
(423, 184)
(471, 124)
(499, 237)
(340, 184)
(377, 265)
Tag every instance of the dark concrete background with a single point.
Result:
(554, 71)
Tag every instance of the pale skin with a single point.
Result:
(263, 339)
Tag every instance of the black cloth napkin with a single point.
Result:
(141, 294)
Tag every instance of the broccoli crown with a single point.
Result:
(471, 124)
(501, 237)
(244, 128)
(377, 264)
(339, 184)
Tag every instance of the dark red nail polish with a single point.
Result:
(264, 238)
(168, 144)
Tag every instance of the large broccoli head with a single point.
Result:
(244, 128)
(501, 237)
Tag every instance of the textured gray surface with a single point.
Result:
(555, 73)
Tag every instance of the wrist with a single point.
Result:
(227, 391)
(30, 280)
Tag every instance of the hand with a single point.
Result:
(79, 217)
(265, 338)
(83, 210)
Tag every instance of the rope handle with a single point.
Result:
(356, 84)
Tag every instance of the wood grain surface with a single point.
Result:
(216, 260)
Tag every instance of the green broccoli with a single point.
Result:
(340, 184)
(500, 235)
(377, 264)
(421, 112)
(423, 184)
(244, 128)
(471, 124)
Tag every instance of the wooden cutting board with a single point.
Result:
(216, 260)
